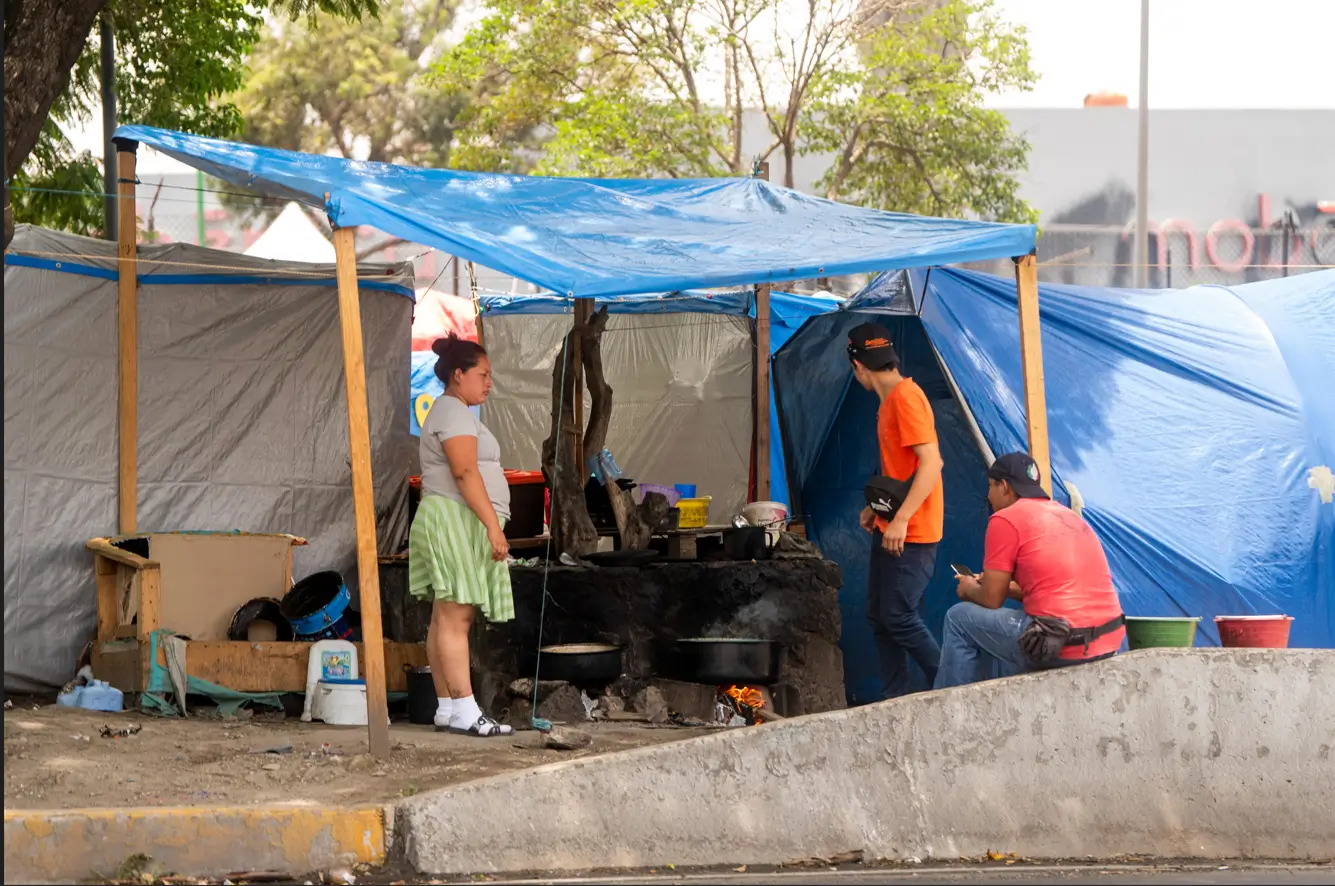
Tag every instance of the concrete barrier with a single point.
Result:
(72, 845)
(1162, 753)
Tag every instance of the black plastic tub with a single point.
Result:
(421, 696)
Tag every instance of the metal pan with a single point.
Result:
(583, 664)
(718, 661)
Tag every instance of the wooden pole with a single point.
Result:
(1031, 358)
(363, 495)
(127, 322)
(760, 456)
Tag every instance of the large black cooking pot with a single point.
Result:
(582, 664)
(718, 661)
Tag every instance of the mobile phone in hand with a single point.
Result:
(961, 569)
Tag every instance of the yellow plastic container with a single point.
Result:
(694, 512)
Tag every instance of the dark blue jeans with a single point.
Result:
(895, 587)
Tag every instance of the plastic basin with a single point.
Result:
(1148, 633)
(1254, 631)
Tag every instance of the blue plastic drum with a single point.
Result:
(317, 607)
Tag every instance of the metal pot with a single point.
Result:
(583, 664)
(421, 695)
(718, 661)
(746, 543)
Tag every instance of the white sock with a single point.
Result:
(465, 712)
(444, 707)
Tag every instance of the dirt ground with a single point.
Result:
(55, 758)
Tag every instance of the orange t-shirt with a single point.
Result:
(904, 421)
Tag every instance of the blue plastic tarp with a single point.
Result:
(1197, 426)
(1194, 424)
(787, 314)
(590, 237)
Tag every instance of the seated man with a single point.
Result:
(1044, 555)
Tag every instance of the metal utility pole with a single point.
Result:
(108, 40)
(1142, 276)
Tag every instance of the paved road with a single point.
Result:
(1057, 875)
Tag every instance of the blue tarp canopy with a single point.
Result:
(592, 237)
(1197, 426)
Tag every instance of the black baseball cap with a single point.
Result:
(1021, 472)
(870, 345)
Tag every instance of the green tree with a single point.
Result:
(907, 127)
(661, 88)
(175, 64)
(356, 89)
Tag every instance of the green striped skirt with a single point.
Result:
(449, 558)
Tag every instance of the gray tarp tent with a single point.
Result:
(242, 417)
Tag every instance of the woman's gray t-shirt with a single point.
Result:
(449, 417)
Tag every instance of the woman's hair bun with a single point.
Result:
(443, 346)
(455, 353)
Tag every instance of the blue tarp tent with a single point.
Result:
(1196, 425)
(596, 237)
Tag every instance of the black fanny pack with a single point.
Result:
(885, 495)
(1045, 638)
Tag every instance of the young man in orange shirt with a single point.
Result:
(903, 554)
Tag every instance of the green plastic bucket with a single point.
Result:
(1145, 633)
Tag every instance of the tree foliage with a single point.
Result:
(892, 91)
(176, 64)
(353, 88)
(907, 128)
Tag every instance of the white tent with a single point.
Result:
(293, 237)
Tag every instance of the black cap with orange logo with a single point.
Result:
(869, 344)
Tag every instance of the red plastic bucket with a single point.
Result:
(1254, 631)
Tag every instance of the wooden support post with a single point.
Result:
(127, 321)
(363, 495)
(1031, 358)
(760, 456)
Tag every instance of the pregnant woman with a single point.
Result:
(457, 552)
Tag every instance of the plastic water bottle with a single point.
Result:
(101, 696)
(605, 467)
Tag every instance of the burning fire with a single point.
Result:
(746, 696)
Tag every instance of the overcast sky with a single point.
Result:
(1203, 54)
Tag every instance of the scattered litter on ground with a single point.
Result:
(51, 762)
(122, 732)
(280, 749)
